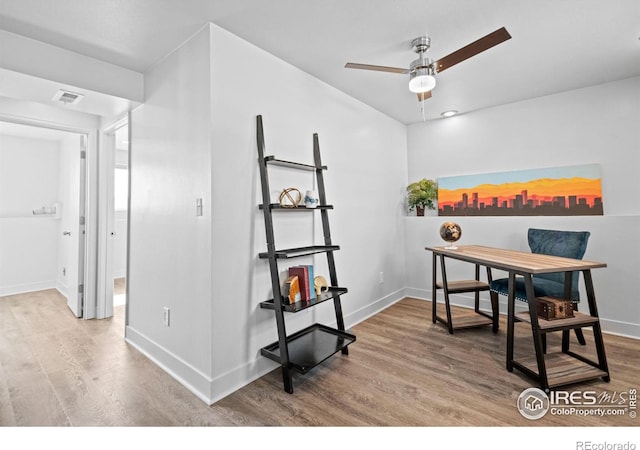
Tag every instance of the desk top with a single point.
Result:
(514, 260)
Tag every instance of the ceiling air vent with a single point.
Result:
(67, 97)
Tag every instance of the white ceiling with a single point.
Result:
(18, 85)
(556, 45)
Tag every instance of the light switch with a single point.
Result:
(198, 207)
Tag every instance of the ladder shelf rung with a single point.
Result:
(279, 207)
(300, 251)
(295, 165)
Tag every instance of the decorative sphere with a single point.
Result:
(450, 231)
(290, 198)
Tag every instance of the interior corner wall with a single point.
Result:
(591, 125)
(366, 158)
(170, 246)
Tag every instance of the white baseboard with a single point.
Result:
(62, 288)
(372, 309)
(233, 380)
(190, 377)
(618, 328)
(27, 287)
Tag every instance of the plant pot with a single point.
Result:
(419, 211)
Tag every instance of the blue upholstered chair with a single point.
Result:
(569, 244)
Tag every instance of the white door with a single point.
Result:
(74, 228)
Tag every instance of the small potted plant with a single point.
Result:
(421, 195)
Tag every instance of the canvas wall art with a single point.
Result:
(555, 191)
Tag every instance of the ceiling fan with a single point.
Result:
(422, 71)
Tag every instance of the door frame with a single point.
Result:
(90, 207)
(104, 301)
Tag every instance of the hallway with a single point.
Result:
(57, 370)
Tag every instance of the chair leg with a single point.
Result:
(580, 336)
(495, 304)
(578, 331)
(495, 310)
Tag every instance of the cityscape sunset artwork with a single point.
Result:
(555, 191)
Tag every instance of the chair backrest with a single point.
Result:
(569, 244)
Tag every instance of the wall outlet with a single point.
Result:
(381, 278)
(166, 317)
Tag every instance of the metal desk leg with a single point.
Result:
(434, 290)
(511, 299)
(535, 330)
(445, 288)
(476, 297)
(568, 281)
(597, 331)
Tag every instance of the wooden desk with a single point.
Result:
(556, 369)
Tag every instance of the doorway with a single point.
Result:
(42, 208)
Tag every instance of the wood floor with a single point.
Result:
(56, 370)
(119, 286)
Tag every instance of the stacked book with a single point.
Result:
(299, 284)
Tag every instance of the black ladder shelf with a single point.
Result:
(304, 349)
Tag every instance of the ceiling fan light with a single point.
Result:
(421, 81)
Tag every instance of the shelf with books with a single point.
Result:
(329, 294)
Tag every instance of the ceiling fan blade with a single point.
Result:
(378, 68)
(466, 52)
(424, 96)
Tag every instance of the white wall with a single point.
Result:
(28, 243)
(195, 137)
(591, 125)
(28, 174)
(365, 154)
(170, 248)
